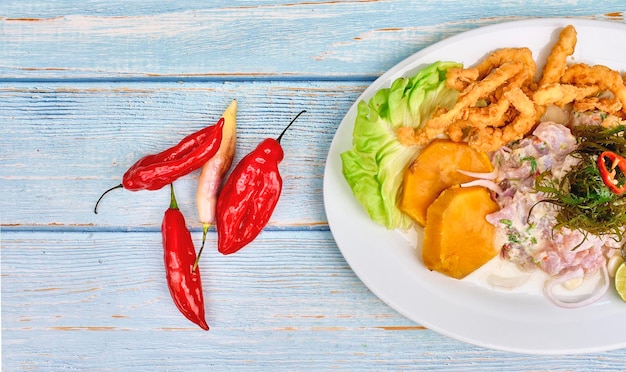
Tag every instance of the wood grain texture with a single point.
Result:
(317, 39)
(75, 141)
(288, 302)
(88, 87)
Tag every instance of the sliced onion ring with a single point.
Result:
(485, 176)
(484, 183)
(597, 294)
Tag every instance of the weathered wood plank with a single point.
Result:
(71, 142)
(88, 87)
(286, 302)
(218, 40)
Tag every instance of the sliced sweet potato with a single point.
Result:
(457, 237)
(435, 169)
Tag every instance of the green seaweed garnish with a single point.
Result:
(582, 199)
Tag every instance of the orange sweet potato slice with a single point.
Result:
(436, 169)
(457, 237)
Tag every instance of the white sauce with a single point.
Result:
(504, 276)
(534, 255)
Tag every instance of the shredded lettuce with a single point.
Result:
(375, 166)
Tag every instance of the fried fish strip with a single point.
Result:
(562, 94)
(436, 125)
(460, 78)
(608, 105)
(556, 63)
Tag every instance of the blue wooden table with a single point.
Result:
(86, 88)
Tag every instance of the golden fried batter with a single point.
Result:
(460, 78)
(562, 94)
(609, 105)
(556, 62)
(499, 101)
(605, 78)
(492, 138)
(507, 55)
(436, 125)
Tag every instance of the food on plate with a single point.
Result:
(250, 194)
(213, 172)
(588, 192)
(608, 81)
(436, 169)
(609, 173)
(562, 94)
(375, 165)
(556, 63)
(457, 237)
(620, 281)
(552, 202)
(491, 110)
(614, 263)
(491, 138)
(558, 146)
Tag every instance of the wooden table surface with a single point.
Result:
(86, 88)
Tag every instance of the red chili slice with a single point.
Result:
(609, 174)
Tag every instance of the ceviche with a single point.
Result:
(494, 163)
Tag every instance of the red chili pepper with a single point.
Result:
(180, 256)
(609, 175)
(249, 196)
(153, 172)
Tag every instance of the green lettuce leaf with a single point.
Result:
(374, 167)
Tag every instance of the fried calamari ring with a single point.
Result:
(478, 118)
(605, 78)
(460, 78)
(507, 55)
(493, 115)
(492, 138)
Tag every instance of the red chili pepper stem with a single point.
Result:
(173, 203)
(95, 209)
(205, 230)
(287, 127)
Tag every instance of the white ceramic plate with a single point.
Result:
(392, 268)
